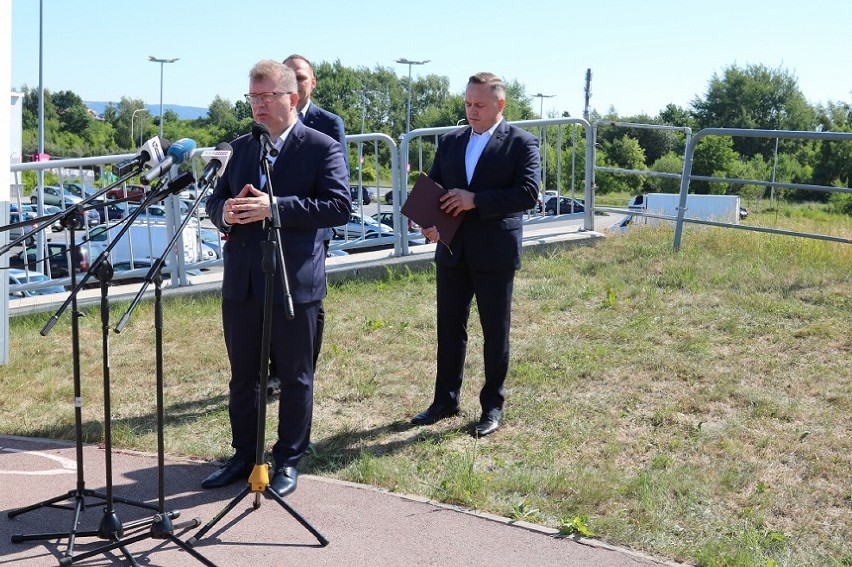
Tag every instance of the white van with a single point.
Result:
(142, 242)
(719, 208)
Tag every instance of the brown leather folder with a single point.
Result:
(423, 206)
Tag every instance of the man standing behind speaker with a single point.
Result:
(329, 124)
(491, 171)
(310, 188)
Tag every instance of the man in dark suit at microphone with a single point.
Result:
(491, 171)
(310, 188)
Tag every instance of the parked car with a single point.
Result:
(18, 276)
(14, 233)
(83, 190)
(201, 211)
(386, 218)
(389, 197)
(49, 210)
(366, 199)
(135, 192)
(360, 225)
(157, 213)
(57, 257)
(211, 239)
(563, 205)
(120, 268)
(55, 195)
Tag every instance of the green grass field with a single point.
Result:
(693, 405)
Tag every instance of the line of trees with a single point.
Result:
(375, 100)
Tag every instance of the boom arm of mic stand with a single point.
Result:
(151, 197)
(160, 262)
(275, 237)
(48, 220)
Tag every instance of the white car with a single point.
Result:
(18, 276)
(360, 226)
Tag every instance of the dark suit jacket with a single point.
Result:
(326, 122)
(505, 183)
(310, 184)
(331, 125)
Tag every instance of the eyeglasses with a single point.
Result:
(255, 98)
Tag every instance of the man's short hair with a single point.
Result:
(278, 72)
(490, 79)
(295, 56)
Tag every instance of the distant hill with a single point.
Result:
(183, 112)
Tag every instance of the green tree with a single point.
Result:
(755, 97)
(73, 114)
(833, 165)
(674, 115)
(714, 157)
(669, 163)
(626, 153)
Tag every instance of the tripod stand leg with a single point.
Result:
(163, 529)
(215, 520)
(307, 525)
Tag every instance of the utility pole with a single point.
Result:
(588, 94)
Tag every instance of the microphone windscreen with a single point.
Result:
(257, 129)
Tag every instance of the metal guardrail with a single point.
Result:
(65, 173)
(376, 147)
(746, 133)
(686, 176)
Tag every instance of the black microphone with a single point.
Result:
(175, 186)
(261, 134)
(152, 153)
(217, 161)
(176, 154)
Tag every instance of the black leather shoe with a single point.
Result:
(434, 413)
(233, 470)
(488, 423)
(284, 480)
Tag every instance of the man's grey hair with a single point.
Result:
(278, 72)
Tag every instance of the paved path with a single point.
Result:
(365, 526)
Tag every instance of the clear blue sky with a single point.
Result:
(643, 54)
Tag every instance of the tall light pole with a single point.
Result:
(132, 116)
(161, 62)
(408, 62)
(541, 106)
(541, 98)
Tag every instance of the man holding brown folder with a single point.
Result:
(491, 171)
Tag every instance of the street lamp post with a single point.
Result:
(161, 62)
(132, 116)
(408, 62)
(541, 98)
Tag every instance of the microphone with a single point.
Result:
(261, 134)
(217, 161)
(174, 186)
(176, 153)
(152, 153)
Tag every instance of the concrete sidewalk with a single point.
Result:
(365, 526)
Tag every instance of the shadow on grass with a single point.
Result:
(338, 451)
(93, 429)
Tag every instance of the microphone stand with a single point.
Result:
(77, 497)
(110, 526)
(162, 527)
(258, 481)
(161, 523)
